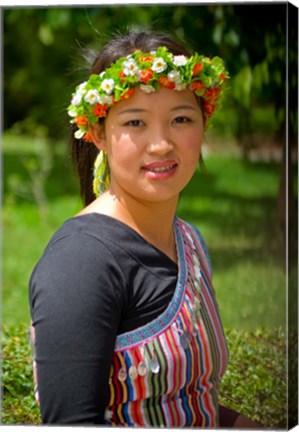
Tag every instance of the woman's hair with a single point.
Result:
(84, 153)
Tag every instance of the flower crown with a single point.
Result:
(149, 71)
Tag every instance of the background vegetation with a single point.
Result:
(239, 204)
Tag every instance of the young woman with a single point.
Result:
(125, 322)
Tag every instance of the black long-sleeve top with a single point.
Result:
(96, 279)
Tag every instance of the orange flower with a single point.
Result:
(87, 138)
(209, 108)
(121, 75)
(223, 76)
(81, 120)
(197, 85)
(197, 69)
(146, 75)
(146, 59)
(128, 93)
(100, 110)
(165, 82)
(212, 92)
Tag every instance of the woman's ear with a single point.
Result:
(97, 135)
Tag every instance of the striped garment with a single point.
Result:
(167, 373)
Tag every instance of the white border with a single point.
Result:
(10, 4)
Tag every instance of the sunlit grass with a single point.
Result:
(25, 236)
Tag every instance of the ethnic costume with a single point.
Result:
(165, 371)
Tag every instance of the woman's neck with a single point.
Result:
(153, 221)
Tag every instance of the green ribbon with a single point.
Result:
(101, 174)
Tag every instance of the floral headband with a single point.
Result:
(149, 71)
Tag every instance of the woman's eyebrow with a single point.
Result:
(185, 106)
(143, 110)
(132, 110)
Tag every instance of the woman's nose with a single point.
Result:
(160, 141)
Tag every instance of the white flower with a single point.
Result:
(81, 87)
(180, 86)
(130, 67)
(108, 85)
(180, 60)
(92, 97)
(77, 98)
(147, 88)
(159, 65)
(102, 74)
(174, 76)
(72, 113)
(79, 134)
(106, 99)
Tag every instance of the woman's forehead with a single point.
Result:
(166, 98)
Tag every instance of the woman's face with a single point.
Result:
(153, 144)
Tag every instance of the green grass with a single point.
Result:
(28, 223)
(25, 235)
(234, 205)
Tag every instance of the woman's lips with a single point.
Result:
(160, 170)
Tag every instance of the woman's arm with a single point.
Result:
(245, 422)
(76, 307)
(229, 418)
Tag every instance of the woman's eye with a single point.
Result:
(134, 123)
(182, 119)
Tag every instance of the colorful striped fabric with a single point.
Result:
(167, 373)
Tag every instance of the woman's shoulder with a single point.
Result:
(91, 228)
(79, 255)
(82, 242)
